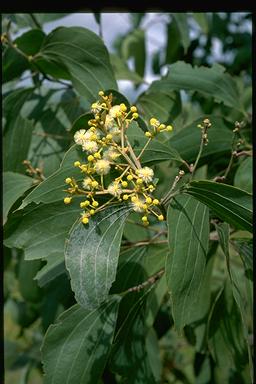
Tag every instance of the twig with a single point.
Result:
(150, 281)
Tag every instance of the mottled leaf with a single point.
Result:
(91, 255)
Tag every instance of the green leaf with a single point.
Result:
(91, 255)
(155, 151)
(55, 267)
(122, 71)
(27, 285)
(52, 189)
(164, 106)
(229, 203)
(245, 249)
(76, 348)
(13, 102)
(129, 356)
(187, 141)
(210, 82)
(14, 185)
(182, 24)
(241, 286)
(43, 229)
(225, 333)
(174, 48)
(243, 176)
(202, 20)
(83, 55)
(133, 46)
(14, 63)
(16, 151)
(188, 235)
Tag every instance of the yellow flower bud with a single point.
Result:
(129, 177)
(90, 158)
(109, 137)
(148, 200)
(68, 180)
(95, 184)
(123, 107)
(97, 155)
(82, 204)
(148, 134)
(133, 109)
(124, 184)
(95, 204)
(139, 181)
(160, 218)
(134, 199)
(101, 93)
(85, 220)
(169, 128)
(155, 201)
(144, 218)
(144, 206)
(135, 115)
(67, 200)
(86, 203)
(77, 163)
(92, 211)
(125, 197)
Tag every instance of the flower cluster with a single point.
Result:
(108, 153)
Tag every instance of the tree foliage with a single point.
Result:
(119, 296)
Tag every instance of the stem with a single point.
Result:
(167, 198)
(143, 149)
(142, 243)
(198, 155)
(126, 157)
(150, 281)
(135, 159)
(35, 20)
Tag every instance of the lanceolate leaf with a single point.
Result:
(211, 82)
(225, 334)
(82, 53)
(14, 185)
(243, 176)
(231, 204)
(129, 355)
(15, 151)
(75, 349)
(245, 249)
(188, 233)
(91, 255)
(43, 229)
(54, 267)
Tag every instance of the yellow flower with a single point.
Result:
(90, 146)
(111, 154)
(87, 182)
(115, 111)
(114, 189)
(67, 200)
(79, 136)
(96, 107)
(154, 122)
(137, 204)
(102, 167)
(146, 174)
